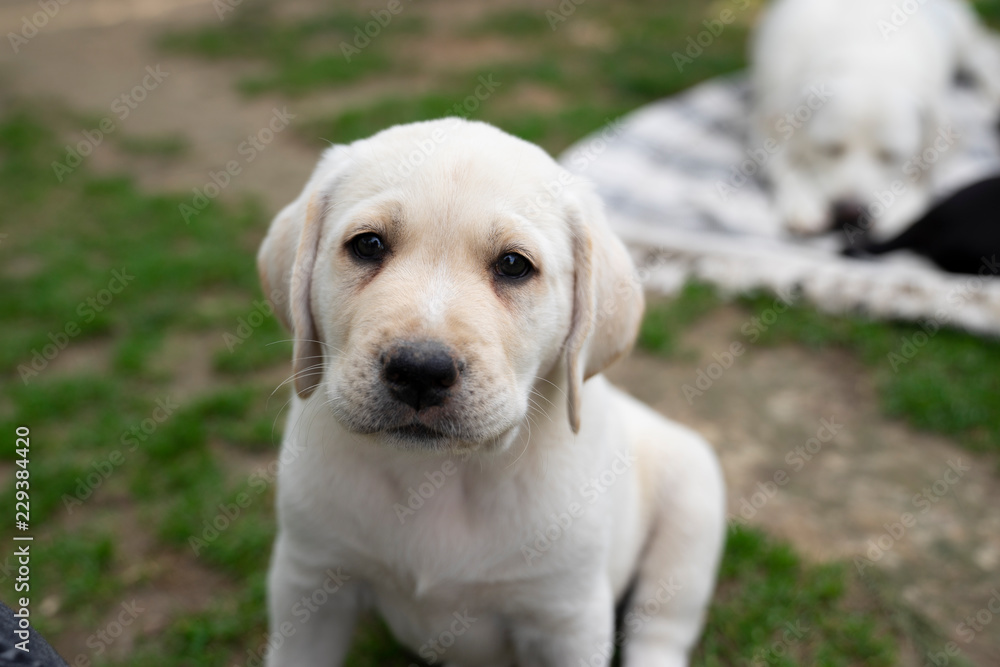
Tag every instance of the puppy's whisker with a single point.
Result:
(558, 388)
(542, 396)
(300, 373)
(308, 340)
(274, 424)
(538, 406)
(308, 369)
(527, 442)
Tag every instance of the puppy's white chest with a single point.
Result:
(419, 531)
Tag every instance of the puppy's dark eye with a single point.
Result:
(368, 246)
(513, 265)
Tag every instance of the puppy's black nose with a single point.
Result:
(420, 373)
(847, 214)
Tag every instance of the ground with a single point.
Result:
(861, 492)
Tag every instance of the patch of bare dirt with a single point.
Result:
(762, 414)
(82, 357)
(159, 584)
(450, 53)
(526, 97)
(809, 457)
(188, 359)
(22, 265)
(90, 67)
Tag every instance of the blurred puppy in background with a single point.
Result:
(852, 90)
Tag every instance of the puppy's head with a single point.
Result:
(435, 274)
(860, 150)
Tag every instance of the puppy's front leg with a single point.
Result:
(570, 631)
(312, 610)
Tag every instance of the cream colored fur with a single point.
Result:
(509, 541)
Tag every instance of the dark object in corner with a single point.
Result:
(960, 234)
(41, 655)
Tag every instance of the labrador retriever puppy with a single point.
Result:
(851, 91)
(453, 458)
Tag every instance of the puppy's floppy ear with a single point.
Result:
(285, 264)
(607, 298)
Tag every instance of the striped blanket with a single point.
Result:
(681, 186)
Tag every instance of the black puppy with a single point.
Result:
(960, 234)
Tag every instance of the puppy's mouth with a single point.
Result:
(416, 431)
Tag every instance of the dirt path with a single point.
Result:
(847, 479)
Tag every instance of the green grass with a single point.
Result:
(773, 608)
(597, 83)
(179, 476)
(299, 56)
(989, 10)
(933, 378)
(86, 461)
(517, 23)
(198, 279)
(664, 323)
(764, 589)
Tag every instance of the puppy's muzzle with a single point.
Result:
(420, 374)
